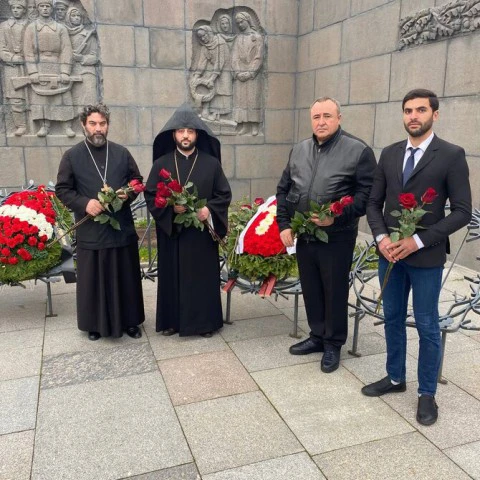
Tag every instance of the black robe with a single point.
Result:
(188, 296)
(109, 289)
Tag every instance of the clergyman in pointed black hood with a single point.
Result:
(188, 296)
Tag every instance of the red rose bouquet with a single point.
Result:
(302, 222)
(408, 220)
(26, 225)
(170, 192)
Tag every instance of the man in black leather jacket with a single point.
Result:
(323, 168)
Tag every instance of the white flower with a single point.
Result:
(261, 229)
(29, 215)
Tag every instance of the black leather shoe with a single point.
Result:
(134, 332)
(330, 360)
(306, 346)
(427, 411)
(382, 387)
(169, 332)
(207, 334)
(93, 336)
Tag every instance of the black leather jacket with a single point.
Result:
(343, 165)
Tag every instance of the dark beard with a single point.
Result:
(97, 140)
(190, 146)
(419, 131)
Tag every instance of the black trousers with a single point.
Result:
(324, 274)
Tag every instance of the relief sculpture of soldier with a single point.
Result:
(85, 57)
(11, 53)
(60, 9)
(247, 59)
(212, 70)
(49, 58)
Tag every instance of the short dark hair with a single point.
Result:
(100, 108)
(422, 93)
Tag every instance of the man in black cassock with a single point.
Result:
(188, 296)
(109, 289)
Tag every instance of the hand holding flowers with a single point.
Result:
(408, 220)
(319, 216)
(190, 211)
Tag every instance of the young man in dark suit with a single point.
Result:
(413, 165)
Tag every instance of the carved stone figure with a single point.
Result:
(213, 73)
(32, 12)
(61, 7)
(11, 53)
(85, 57)
(247, 60)
(224, 29)
(49, 58)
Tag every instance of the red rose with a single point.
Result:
(336, 208)
(407, 200)
(13, 260)
(346, 200)
(3, 259)
(162, 190)
(41, 246)
(429, 196)
(32, 241)
(174, 186)
(5, 252)
(137, 186)
(259, 201)
(165, 173)
(43, 238)
(160, 202)
(246, 206)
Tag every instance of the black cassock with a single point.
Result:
(188, 296)
(109, 288)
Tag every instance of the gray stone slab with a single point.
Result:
(182, 472)
(463, 370)
(370, 79)
(129, 421)
(328, 412)
(21, 339)
(175, 346)
(397, 458)
(16, 451)
(18, 404)
(331, 40)
(327, 13)
(455, 343)
(371, 368)
(257, 327)
(360, 33)
(73, 340)
(206, 376)
(21, 362)
(368, 344)
(240, 429)
(21, 315)
(466, 456)
(359, 120)
(82, 367)
(458, 415)
(275, 469)
(270, 352)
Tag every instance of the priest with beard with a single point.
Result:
(109, 289)
(188, 296)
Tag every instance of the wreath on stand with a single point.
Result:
(253, 249)
(27, 222)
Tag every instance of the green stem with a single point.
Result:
(71, 229)
(384, 284)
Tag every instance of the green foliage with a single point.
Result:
(302, 224)
(408, 222)
(42, 263)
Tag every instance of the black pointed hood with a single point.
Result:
(186, 117)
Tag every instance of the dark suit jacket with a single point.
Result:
(442, 167)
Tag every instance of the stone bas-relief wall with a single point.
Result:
(49, 59)
(226, 83)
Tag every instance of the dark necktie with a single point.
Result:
(410, 165)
